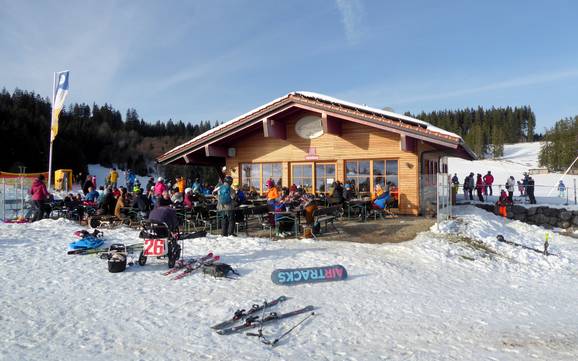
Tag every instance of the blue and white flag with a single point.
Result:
(60, 93)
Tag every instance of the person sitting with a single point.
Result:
(121, 203)
(382, 198)
(348, 192)
(188, 199)
(241, 198)
(108, 203)
(176, 196)
(163, 213)
(142, 203)
(92, 195)
(272, 193)
(336, 195)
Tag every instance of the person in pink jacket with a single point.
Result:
(160, 187)
(39, 197)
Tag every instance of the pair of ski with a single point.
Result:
(131, 248)
(190, 266)
(251, 320)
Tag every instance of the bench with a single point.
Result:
(326, 215)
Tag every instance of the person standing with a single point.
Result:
(469, 185)
(530, 190)
(488, 181)
(113, 177)
(480, 187)
(159, 188)
(39, 197)
(561, 189)
(225, 206)
(510, 186)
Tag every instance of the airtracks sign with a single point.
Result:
(288, 277)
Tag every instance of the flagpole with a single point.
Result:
(50, 135)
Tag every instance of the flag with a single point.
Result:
(60, 93)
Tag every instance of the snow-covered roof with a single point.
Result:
(322, 98)
(378, 111)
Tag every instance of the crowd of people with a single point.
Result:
(483, 186)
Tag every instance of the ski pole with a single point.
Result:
(291, 329)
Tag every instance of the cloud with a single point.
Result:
(351, 16)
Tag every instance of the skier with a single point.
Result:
(39, 197)
(480, 187)
(488, 181)
(562, 189)
(226, 194)
(510, 184)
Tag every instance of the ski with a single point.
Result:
(242, 314)
(181, 263)
(194, 267)
(254, 322)
(82, 251)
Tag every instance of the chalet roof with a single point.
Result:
(382, 116)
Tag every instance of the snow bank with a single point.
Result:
(433, 298)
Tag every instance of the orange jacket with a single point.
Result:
(273, 193)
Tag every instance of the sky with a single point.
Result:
(214, 60)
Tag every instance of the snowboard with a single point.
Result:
(294, 276)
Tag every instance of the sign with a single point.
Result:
(154, 247)
(311, 154)
(288, 277)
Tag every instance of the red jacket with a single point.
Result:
(38, 190)
(480, 184)
(488, 179)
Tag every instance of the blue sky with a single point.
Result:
(214, 60)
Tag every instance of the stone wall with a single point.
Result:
(542, 216)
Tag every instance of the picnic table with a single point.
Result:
(358, 205)
(293, 215)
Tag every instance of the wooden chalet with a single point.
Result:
(312, 140)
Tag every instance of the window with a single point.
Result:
(324, 177)
(272, 171)
(391, 172)
(357, 172)
(302, 176)
(254, 176)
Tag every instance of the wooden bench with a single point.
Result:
(326, 215)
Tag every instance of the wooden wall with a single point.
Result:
(356, 142)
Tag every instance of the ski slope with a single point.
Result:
(450, 294)
(518, 159)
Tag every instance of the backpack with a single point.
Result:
(225, 195)
(218, 269)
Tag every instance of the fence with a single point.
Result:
(562, 198)
(14, 197)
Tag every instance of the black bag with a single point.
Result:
(117, 258)
(218, 269)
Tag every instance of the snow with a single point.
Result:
(438, 297)
(101, 172)
(518, 159)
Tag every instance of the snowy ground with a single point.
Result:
(453, 294)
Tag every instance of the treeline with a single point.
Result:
(87, 135)
(560, 145)
(486, 130)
